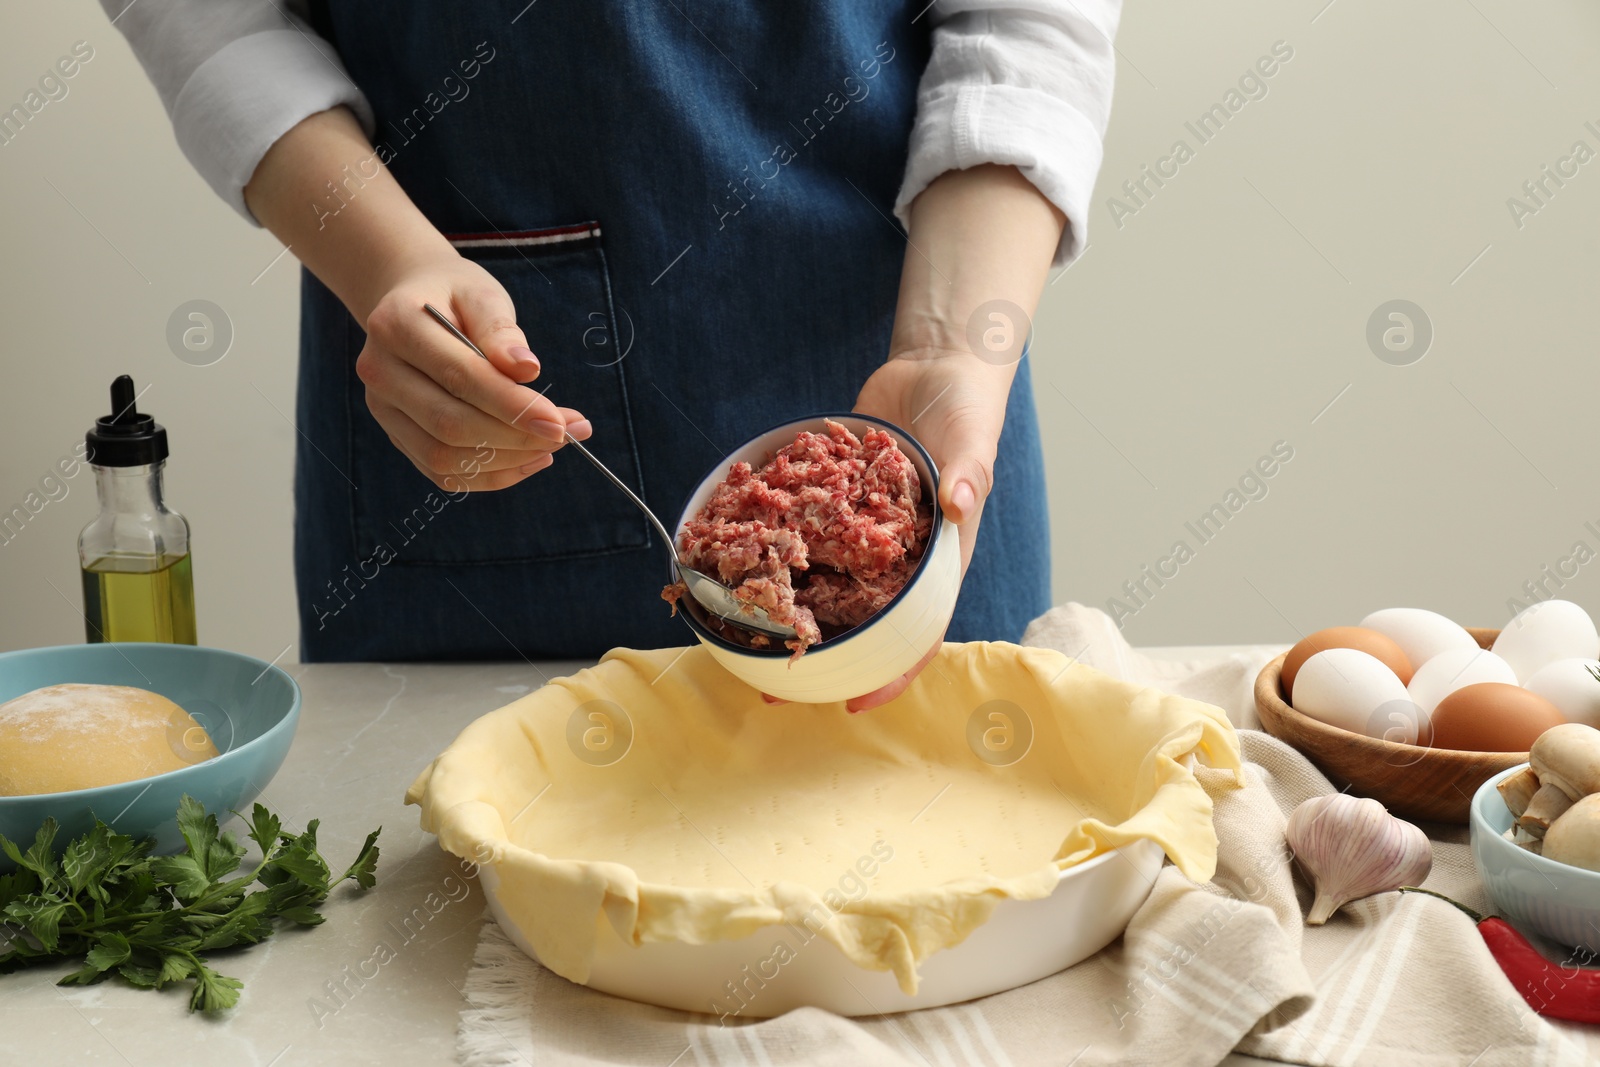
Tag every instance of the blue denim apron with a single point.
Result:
(689, 203)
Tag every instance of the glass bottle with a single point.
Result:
(137, 580)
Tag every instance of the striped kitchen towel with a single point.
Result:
(1200, 972)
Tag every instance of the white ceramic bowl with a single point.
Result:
(879, 650)
(1023, 941)
(1557, 900)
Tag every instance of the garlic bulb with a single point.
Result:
(1351, 848)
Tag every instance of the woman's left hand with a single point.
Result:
(995, 235)
(955, 404)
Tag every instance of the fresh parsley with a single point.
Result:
(153, 919)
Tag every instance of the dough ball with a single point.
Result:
(73, 736)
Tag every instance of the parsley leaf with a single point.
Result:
(111, 950)
(39, 859)
(149, 919)
(365, 869)
(213, 991)
(175, 967)
(264, 827)
(41, 917)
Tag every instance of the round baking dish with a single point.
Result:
(1023, 941)
(650, 828)
(881, 649)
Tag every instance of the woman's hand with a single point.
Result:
(443, 406)
(955, 404)
(980, 240)
(440, 404)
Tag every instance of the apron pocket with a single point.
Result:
(559, 284)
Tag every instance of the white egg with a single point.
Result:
(1421, 634)
(1400, 721)
(1349, 689)
(1452, 670)
(1545, 632)
(1569, 685)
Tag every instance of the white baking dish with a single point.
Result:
(1023, 941)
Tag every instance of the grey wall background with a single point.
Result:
(1223, 312)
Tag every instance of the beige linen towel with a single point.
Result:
(1201, 969)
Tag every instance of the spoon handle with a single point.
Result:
(620, 484)
(447, 324)
(573, 441)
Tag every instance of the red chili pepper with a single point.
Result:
(1552, 989)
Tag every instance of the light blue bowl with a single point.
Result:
(249, 708)
(1556, 900)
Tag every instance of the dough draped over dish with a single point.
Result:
(892, 834)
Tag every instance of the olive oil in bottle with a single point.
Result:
(137, 579)
(125, 600)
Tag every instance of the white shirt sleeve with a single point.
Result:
(1019, 82)
(234, 76)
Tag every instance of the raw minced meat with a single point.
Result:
(822, 537)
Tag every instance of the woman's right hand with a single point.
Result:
(460, 420)
(457, 418)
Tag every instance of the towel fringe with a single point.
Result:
(494, 1030)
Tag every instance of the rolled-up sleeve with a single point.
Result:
(234, 76)
(1020, 82)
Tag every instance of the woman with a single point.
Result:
(674, 221)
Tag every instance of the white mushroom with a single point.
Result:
(1574, 838)
(1568, 757)
(1518, 790)
(1522, 839)
(1547, 805)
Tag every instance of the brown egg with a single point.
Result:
(1379, 646)
(1492, 717)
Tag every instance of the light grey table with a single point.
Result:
(328, 995)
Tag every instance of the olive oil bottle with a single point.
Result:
(138, 584)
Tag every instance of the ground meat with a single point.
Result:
(822, 537)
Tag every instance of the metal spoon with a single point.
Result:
(711, 594)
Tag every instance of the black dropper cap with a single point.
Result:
(125, 438)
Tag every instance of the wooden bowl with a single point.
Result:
(1412, 781)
